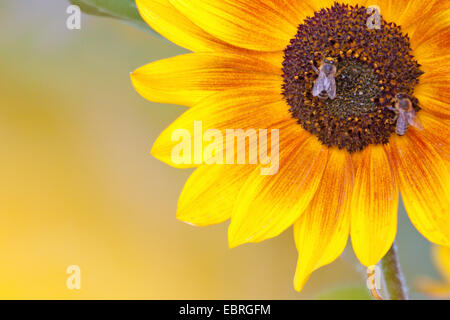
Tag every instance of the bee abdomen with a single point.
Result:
(323, 95)
(401, 129)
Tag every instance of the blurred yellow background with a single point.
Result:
(79, 187)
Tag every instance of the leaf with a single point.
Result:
(88, 9)
(124, 10)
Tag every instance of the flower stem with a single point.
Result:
(393, 276)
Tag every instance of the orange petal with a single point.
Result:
(432, 37)
(423, 178)
(408, 14)
(187, 79)
(210, 193)
(321, 233)
(268, 205)
(432, 90)
(436, 132)
(433, 100)
(430, 43)
(374, 207)
(265, 25)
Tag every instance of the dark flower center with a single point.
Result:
(373, 65)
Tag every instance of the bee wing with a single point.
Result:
(414, 121)
(319, 85)
(332, 87)
(402, 124)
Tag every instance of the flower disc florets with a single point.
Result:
(373, 65)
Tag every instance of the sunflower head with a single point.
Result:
(372, 67)
(342, 166)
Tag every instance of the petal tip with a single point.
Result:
(300, 280)
(184, 220)
(233, 239)
(233, 243)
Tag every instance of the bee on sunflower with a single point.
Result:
(378, 127)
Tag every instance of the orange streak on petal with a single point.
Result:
(432, 37)
(268, 205)
(423, 179)
(263, 25)
(249, 108)
(436, 132)
(189, 78)
(321, 233)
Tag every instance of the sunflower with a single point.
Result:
(433, 288)
(342, 163)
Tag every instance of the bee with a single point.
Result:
(404, 114)
(325, 84)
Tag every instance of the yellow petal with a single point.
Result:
(321, 232)
(233, 109)
(441, 257)
(187, 79)
(433, 288)
(423, 179)
(268, 205)
(210, 193)
(374, 207)
(257, 25)
(164, 18)
(174, 26)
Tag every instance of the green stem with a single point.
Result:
(393, 276)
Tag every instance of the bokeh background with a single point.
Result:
(79, 187)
